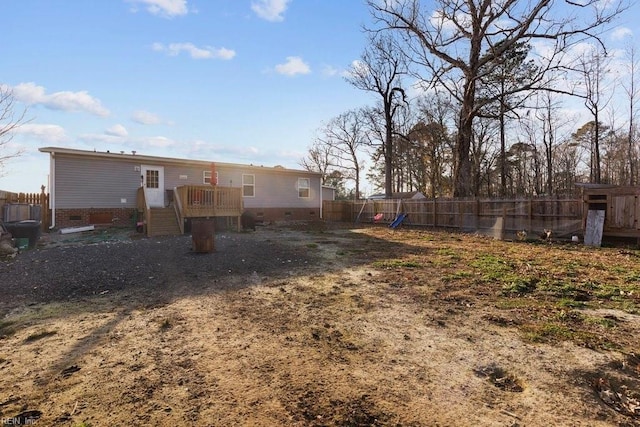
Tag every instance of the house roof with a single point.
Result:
(141, 158)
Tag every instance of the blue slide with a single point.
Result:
(399, 219)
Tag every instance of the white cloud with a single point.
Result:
(145, 118)
(30, 93)
(117, 130)
(330, 71)
(270, 10)
(158, 141)
(124, 141)
(174, 49)
(444, 21)
(103, 138)
(294, 65)
(42, 132)
(621, 33)
(358, 69)
(164, 8)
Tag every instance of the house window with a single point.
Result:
(303, 188)
(153, 179)
(206, 177)
(248, 185)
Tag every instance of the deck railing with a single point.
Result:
(143, 206)
(199, 201)
(177, 206)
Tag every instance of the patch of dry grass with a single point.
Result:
(540, 287)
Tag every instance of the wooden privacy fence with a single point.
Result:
(37, 199)
(501, 218)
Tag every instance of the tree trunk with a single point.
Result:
(463, 186)
(596, 149)
(388, 152)
(503, 154)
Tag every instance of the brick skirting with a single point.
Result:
(284, 214)
(124, 217)
(120, 217)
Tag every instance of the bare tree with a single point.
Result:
(630, 86)
(345, 138)
(593, 68)
(568, 157)
(433, 135)
(320, 158)
(458, 40)
(10, 121)
(380, 71)
(614, 152)
(484, 155)
(512, 70)
(545, 126)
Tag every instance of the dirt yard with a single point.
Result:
(320, 325)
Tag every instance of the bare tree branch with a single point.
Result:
(454, 42)
(10, 121)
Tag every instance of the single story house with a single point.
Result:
(93, 187)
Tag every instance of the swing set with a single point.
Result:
(380, 217)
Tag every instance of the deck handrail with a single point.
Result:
(143, 204)
(177, 205)
(209, 201)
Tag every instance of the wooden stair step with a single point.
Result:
(164, 222)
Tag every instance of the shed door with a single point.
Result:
(153, 183)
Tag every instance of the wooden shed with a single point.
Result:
(621, 206)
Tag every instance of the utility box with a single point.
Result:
(202, 235)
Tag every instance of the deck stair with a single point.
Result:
(163, 222)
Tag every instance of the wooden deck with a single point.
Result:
(197, 201)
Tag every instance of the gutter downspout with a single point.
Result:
(321, 195)
(52, 189)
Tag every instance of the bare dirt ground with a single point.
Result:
(320, 325)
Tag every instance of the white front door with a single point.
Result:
(153, 184)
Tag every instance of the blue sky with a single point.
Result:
(241, 81)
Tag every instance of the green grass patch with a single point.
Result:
(520, 286)
(600, 321)
(546, 332)
(448, 252)
(570, 303)
(458, 275)
(609, 292)
(513, 303)
(631, 277)
(494, 268)
(553, 332)
(397, 263)
(7, 327)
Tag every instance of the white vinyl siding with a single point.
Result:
(304, 190)
(248, 185)
(95, 183)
